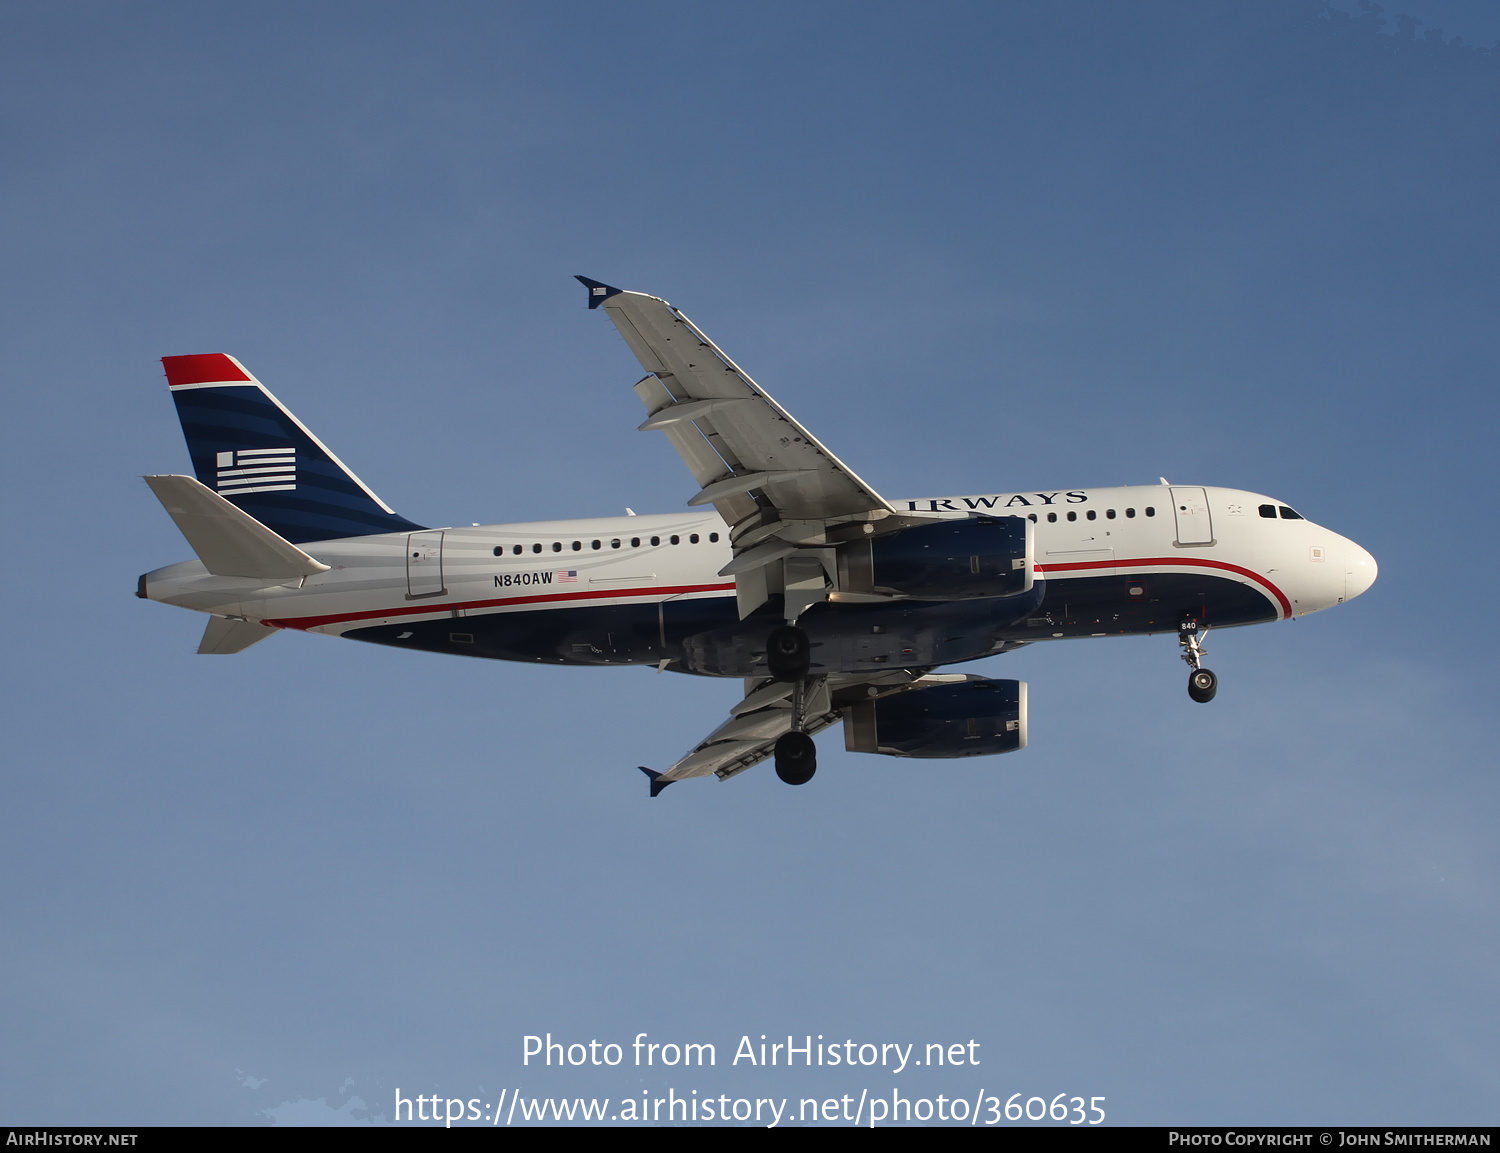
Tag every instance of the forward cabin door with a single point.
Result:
(424, 565)
(1194, 522)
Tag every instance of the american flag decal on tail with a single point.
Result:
(257, 470)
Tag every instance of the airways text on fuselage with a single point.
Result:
(976, 503)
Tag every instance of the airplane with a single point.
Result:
(786, 570)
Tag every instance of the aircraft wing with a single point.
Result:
(749, 735)
(774, 483)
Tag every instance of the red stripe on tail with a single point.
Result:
(204, 368)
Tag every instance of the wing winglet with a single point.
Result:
(599, 292)
(657, 784)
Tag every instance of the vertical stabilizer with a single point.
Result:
(250, 450)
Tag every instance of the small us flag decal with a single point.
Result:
(568, 577)
(257, 470)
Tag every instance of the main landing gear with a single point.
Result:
(788, 659)
(788, 654)
(1202, 684)
(796, 758)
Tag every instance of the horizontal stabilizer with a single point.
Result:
(224, 636)
(657, 784)
(229, 541)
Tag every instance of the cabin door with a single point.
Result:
(1194, 523)
(424, 565)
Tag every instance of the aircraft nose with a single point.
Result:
(1360, 570)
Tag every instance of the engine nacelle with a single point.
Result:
(976, 717)
(949, 560)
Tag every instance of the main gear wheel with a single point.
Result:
(796, 758)
(788, 653)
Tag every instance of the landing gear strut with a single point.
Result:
(796, 755)
(1202, 684)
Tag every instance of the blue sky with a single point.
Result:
(974, 248)
(1475, 23)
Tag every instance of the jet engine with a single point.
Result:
(973, 717)
(949, 560)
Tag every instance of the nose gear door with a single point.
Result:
(1194, 521)
(424, 565)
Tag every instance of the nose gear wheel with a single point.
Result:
(1202, 684)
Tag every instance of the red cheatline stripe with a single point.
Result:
(1182, 562)
(677, 590)
(446, 607)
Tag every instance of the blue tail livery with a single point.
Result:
(250, 450)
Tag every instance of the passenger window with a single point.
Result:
(1268, 511)
(1150, 511)
(557, 546)
(713, 538)
(499, 550)
(577, 546)
(656, 540)
(595, 544)
(1110, 515)
(536, 548)
(693, 539)
(1093, 515)
(1051, 518)
(635, 542)
(516, 550)
(676, 540)
(614, 544)
(1072, 516)
(1130, 514)
(1031, 516)
(1288, 514)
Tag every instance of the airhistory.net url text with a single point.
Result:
(979, 1108)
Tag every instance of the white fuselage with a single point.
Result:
(1296, 565)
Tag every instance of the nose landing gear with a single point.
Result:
(1202, 684)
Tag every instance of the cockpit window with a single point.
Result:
(1268, 511)
(1288, 514)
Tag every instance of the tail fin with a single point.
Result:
(250, 450)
